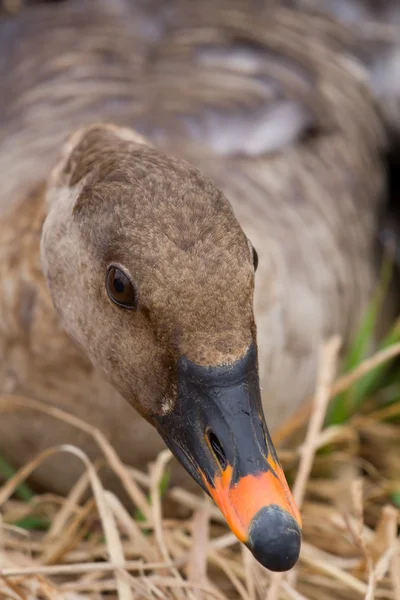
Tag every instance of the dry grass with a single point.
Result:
(92, 548)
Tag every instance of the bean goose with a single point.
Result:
(126, 277)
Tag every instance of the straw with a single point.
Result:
(346, 476)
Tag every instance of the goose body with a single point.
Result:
(265, 106)
(375, 42)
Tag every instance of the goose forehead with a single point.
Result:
(182, 207)
(184, 246)
(121, 226)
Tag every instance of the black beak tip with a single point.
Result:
(275, 538)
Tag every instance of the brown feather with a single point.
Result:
(270, 109)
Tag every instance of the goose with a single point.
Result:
(153, 158)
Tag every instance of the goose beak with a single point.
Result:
(218, 432)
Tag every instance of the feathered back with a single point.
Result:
(221, 77)
(375, 27)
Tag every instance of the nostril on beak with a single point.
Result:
(217, 449)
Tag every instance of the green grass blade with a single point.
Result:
(33, 522)
(346, 403)
(23, 491)
(139, 516)
(396, 498)
(372, 381)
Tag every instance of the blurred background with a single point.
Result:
(292, 107)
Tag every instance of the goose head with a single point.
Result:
(152, 275)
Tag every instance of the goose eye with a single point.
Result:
(120, 288)
(255, 258)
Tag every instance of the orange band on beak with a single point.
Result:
(240, 502)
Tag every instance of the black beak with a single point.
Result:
(217, 431)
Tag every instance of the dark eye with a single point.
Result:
(255, 258)
(120, 288)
